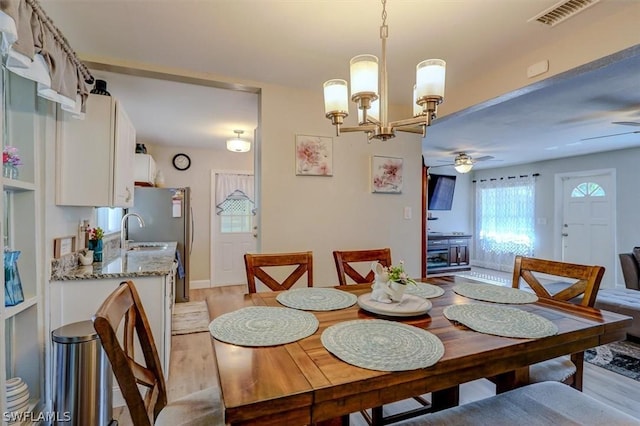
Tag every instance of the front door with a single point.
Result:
(588, 222)
(233, 231)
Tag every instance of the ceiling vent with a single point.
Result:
(562, 11)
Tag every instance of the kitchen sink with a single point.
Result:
(148, 247)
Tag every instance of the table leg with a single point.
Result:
(445, 398)
(511, 380)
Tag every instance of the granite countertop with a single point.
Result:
(132, 263)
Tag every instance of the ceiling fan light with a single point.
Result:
(463, 163)
(430, 75)
(463, 168)
(364, 75)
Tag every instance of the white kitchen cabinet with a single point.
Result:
(145, 170)
(22, 120)
(78, 300)
(95, 156)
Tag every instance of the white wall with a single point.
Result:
(323, 214)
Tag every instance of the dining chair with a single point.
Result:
(583, 291)
(256, 265)
(142, 385)
(345, 261)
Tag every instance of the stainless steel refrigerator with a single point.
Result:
(167, 216)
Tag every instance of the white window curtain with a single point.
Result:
(34, 48)
(505, 219)
(233, 186)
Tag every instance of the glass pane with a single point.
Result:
(588, 189)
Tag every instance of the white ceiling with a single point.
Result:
(302, 43)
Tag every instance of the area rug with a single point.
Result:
(485, 278)
(619, 357)
(190, 317)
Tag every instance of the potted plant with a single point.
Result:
(95, 242)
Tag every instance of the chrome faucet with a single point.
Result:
(123, 222)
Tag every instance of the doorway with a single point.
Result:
(587, 234)
(233, 225)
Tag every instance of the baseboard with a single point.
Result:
(199, 284)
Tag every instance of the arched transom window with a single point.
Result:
(587, 189)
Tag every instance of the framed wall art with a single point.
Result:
(314, 155)
(386, 175)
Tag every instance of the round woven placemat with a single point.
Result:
(501, 321)
(494, 293)
(263, 326)
(316, 299)
(382, 345)
(428, 291)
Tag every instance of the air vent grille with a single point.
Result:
(562, 11)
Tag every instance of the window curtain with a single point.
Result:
(234, 187)
(505, 218)
(35, 49)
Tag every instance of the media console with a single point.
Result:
(447, 252)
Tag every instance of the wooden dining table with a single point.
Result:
(303, 383)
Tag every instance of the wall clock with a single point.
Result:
(181, 161)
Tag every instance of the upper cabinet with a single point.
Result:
(95, 156)
(145, 170)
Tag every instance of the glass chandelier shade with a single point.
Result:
(238, 145)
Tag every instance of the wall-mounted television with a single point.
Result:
(440, 192)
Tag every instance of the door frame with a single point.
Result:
(212, 212)
(559, 179)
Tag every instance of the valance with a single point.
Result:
(35, 49)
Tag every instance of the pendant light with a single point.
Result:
(238, 145)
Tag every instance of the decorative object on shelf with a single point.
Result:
(140, 148)
(314, 155)
(10, 162)
(389, 283)
(428, 92)
(100, 88)
(95, 243)
(386, 175)
(12, 285)
(17, 395)
(238, 145)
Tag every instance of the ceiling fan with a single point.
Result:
(463, 163)
(623, 123)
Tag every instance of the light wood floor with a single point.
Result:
(192, 368)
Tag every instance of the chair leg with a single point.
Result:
(377, 417)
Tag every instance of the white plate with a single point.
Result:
(409, 306)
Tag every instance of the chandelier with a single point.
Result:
(369, 92)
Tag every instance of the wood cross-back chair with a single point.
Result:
(343, 260)
(583, 290)
(255, 265)
(143, 386)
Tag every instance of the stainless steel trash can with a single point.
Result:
(82, 376)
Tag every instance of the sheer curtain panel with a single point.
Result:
(505, 219)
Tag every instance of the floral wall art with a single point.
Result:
(386, 175)
(314, 155)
